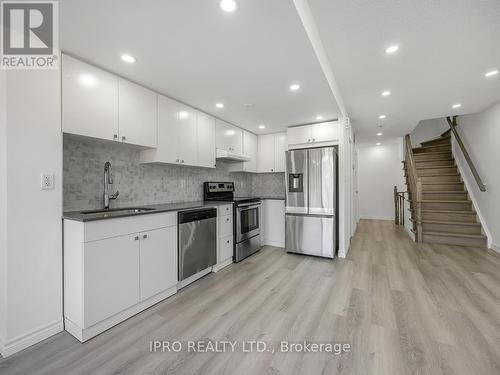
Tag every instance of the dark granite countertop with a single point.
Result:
(272, 198)
(149, 209)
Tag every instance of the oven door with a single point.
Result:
(247, 221)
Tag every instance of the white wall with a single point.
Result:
(427, 130)
(379, 170)
(32, 288)
(3, 206)
(480, 134)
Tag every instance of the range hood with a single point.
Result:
(229, 156)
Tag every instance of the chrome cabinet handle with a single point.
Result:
(227, 241)
(144, 236)
(227, 219)
(182, 161)
(115, 136)
(124, 138)
(136, 238)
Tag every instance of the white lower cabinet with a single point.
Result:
(158, 261)
(111, 277)
(115, 268)
(273, 222)
(225, 237)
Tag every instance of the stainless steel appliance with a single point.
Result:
(311, 201)
(197, 241)
(246, 217)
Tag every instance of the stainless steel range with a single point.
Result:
(246, 217)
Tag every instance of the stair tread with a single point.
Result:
(433, 152)
(444, 201)
(448, 211)
(438, 167)
(444, 192)
(442, 183)
(468, 223)
(450, 234)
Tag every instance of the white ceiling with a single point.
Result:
(194, 52)
(446, 47)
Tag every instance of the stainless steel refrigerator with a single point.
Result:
(311, 201)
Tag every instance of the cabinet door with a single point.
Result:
(89, 100)
(274, 222)
(229, 137)
(324, 132)
(158, 261)
(168, 139)
(280, 147)
(137, 114)
(186, 131)
(111, 279)
(299, 134)
(266, 154)
(205, 137)
(225, 248)
(250, 149)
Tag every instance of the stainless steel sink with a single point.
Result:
(117, 211)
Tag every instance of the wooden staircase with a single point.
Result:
(447, 214)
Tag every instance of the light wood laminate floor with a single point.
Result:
(404, 309)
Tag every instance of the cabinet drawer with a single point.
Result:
(225, 225)
(226, 209)
(100, 229)
(225, 248)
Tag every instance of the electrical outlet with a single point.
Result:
(47, 181)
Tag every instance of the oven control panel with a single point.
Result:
(220, 187)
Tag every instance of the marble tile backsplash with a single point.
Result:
(140, 184)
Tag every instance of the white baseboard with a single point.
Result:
(7, 348)
(377, 217)
(273, 243)
(222, 264)
(495, 248)
(193, 278)
(83, 334)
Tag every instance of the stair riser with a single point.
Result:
(431, 149)
(435, 163)
(427, 157)
(446, 187)
(445, 196)
(451, 228)
(437, 142)
(437, 171)
(473, 242)
(440, 179)
(470, 218)
(454, 206)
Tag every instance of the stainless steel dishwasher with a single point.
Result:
(197, 241)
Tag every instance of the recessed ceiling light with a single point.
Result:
(219, 105)
(379, 134)
(378, 144)
(381, 117)
(128, 58)
(248, 105)
(319, 117)
(456, 105)
(183, 114)
(492, 73)
(228, 5)
(392, 49)
(262, 126)
(386, 93)
(294, 87)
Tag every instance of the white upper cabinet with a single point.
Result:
(185, 136)
(250, 147)
(89, 100)
(271, 153)
(98, 104)
(205, 126)
(229, 137)
(303, 136)
(137, 114)
(280, 147)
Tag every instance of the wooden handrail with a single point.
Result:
(415, 188)
(453, 124)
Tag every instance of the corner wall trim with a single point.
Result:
(7, 348)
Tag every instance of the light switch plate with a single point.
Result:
(47, 181)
